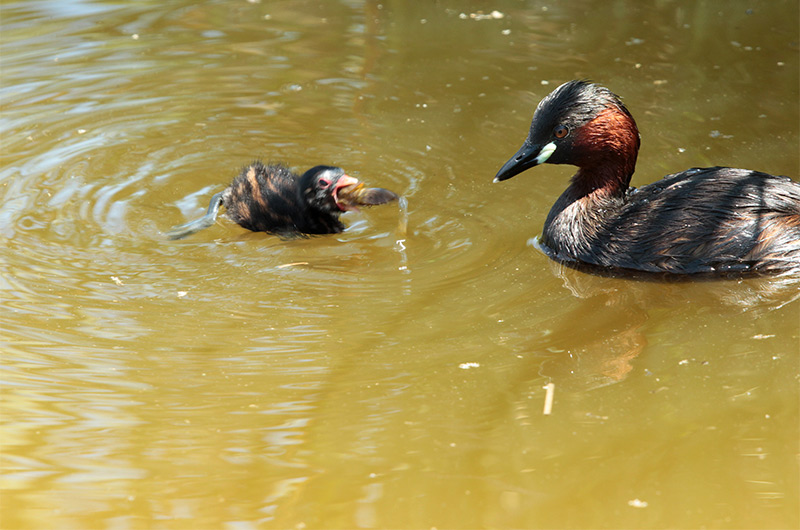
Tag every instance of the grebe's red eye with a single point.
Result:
(561, 131)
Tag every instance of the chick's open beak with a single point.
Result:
(344, 181)
(355, 195)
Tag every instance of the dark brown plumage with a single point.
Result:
(271, 198)
(703, 220)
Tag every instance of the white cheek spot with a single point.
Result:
(545, 153)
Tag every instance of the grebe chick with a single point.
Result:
(271, 198)
(713, 220)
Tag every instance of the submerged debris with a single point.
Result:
(548, 398)
(480, 15)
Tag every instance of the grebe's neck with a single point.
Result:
(584, 209)
(605, 151)
(599, 183)
(606, 148)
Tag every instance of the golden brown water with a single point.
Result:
(391, 376)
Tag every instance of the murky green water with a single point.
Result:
(386, 377)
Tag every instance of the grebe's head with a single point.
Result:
(320, 186)
(578, 123)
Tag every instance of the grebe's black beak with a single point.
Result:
(528, 156)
